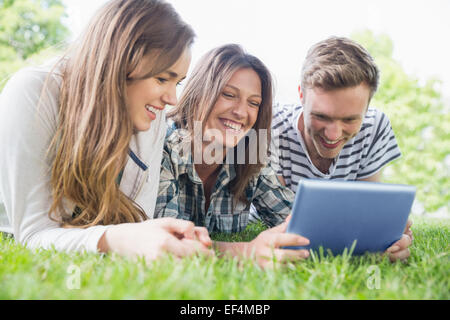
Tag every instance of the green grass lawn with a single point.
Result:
(26, 274)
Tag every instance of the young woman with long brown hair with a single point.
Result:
(214, 159)
(82, 139)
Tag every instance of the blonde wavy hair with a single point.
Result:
(91, 144)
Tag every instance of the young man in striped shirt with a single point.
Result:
(334, 134)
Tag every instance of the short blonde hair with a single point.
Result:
(339, 62)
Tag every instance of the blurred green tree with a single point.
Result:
(27, 27)
(421, 122)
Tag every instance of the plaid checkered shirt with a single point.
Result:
(181, 193)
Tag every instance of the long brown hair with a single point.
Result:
(94, 129)
(201, 92)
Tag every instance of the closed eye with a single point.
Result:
(255, 104)
(228, 95)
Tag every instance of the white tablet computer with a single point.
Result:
(334, 214)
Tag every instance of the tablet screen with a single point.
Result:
(335, 214)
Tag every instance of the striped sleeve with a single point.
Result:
(168, 194)
(382, 149)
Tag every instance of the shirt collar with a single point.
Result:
(296, 113)
(178, 145)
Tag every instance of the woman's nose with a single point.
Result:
(170, 96)
(240, 109)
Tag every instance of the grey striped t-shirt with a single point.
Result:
(364, 155)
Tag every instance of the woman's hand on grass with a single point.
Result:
(153, 238)
(267, 246)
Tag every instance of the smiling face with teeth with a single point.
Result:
(236, 109)
(148, 97)
(330, 119)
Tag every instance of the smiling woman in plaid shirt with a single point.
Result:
(214, 160)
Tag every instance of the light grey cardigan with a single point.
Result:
(26, 130)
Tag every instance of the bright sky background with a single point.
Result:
(280, 32)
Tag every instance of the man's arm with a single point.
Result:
(373, 178)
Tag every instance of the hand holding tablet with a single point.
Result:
(333, 214)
